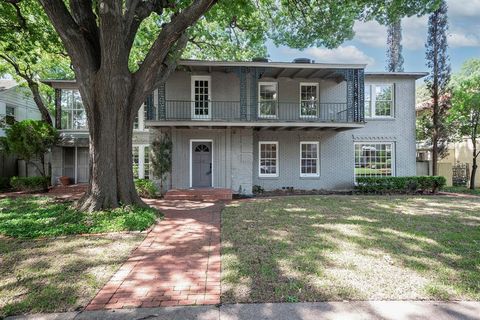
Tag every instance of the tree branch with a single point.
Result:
(149, 71)
(33, 85)
(87, 20)
(84, 57)
(136, 12)
(21, 18)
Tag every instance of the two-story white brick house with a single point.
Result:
(234, 125)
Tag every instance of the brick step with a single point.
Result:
(199, 194)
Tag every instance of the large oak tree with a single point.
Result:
(121, 50)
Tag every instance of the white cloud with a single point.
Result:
(461, 39)
(370, 33)
(464, 8)
(342, 54)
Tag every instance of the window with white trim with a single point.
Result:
(374, 159)
(309, 100)
(268, 159)
(201, 92)
(309, 159)
(141, 161)
(9, 115)
(74, 116)
(267, 99)
(379, 101)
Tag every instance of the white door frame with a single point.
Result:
(192, 85)
(191, 158)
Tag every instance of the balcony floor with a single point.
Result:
(258, 125)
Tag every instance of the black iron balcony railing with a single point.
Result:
(265, 111)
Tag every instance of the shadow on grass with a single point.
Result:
(349, 247)
(57, 274)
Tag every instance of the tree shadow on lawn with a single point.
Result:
(351, 247)
(58, 274)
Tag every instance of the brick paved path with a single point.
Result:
(178, 263)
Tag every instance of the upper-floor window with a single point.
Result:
(9, 115)
(309, 100)
(268, 159)
(374, 159)
(379, 100)
(73, 111)
(201, 92)
(267, 99)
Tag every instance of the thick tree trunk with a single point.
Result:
(111, 128)
(39, 102)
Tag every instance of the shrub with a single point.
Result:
(30, 184)
(410, 185)
(146, 188)
(257, 189)
(4, 183)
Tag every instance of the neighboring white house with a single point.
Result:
(16, 104)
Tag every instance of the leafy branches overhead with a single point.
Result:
(29, 48)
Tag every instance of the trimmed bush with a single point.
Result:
(30, 184)
(406, 185)
(4, 183)
(146, 188)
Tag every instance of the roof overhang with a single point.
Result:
(414, 75)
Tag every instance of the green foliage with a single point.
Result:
(30, 184)
(382, 185)
(32, 217)
(162, 158)
(257, 189)
(4, 183)
(30, 140)
(145, 188)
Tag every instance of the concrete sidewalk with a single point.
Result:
(397, 310)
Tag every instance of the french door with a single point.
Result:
(201, 105)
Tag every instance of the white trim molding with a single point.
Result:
(317, 101)
(191, 158)
(310, 175)
(192, 97)
(277, 165)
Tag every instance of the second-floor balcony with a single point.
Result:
(266, 111)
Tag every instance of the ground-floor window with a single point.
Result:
(374, 159)
(268, 158)
(309, 159)
(141, 161)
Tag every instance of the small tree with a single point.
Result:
(465, 112)
(162, 158)
(30, 140)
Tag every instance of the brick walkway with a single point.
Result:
(178, 263)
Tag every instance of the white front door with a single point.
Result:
(201, 98)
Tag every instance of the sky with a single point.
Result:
(369, 43)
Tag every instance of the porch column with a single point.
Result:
(255, 74)
(58, 108)
(242, 72)
(355, 95)
(349, 76)
(162, 107)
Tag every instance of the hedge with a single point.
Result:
(30, 184)
(145, 188)
(420, 184)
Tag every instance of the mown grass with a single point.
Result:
(36, 216)
(465, 190)
(57, 275)
(316, 248)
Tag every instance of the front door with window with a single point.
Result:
(201, 164)
(201, 98)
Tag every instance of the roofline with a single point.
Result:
(416, 75)
(272, 64)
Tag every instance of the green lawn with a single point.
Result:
(462, 190)
(314, 248)
(56, 275)
(34, 216)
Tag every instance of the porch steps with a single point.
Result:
(200, 194)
